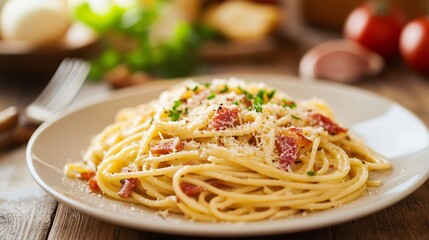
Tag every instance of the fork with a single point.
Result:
(60, 91)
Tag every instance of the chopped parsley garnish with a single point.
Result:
(195, 89)
(236, 102)
(257, 107)
(174, 114)
(260, 95)
(186, 110)
(296, 117)
(259, 101)
(292, 105)
(246, 93)
(271, 94)
(225, 89)
(311, 173)
(289, 104)
(211, 96)
(207, 85)
(177, 104)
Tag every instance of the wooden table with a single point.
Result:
(27, 212)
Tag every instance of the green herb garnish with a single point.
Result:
(174, 115)
(296, 117)
(271, 94)
(260, 95)
(289, 104)
(195, 89)
(246, 93)
(311, 173)
(257, 107)
(177, 104)
(225, 89)
(236, 102)
(211, 96)
(259, 101)
(292, 105)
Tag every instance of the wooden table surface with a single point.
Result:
(27, 212)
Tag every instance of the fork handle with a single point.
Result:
(16, 136)
(8, 118)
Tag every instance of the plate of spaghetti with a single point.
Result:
(226, 156)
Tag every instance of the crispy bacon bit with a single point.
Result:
(290, 144)
(217, 184)
(331, 168)
(168, 146)
(92, 183)
(325, 122)
(225, 117)
(87, 175)
(288, 151)
(128, 185)
(191, 189)
(316, 168)
(300, 139)
(246, 101)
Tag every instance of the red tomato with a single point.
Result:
(414, 44)
(377, 26)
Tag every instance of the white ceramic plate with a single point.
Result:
(388, 128)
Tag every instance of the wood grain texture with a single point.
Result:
(25, 209)
(404, 220)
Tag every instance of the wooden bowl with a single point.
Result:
(26, 58)
(213, 51)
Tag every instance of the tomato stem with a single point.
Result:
(381, 7)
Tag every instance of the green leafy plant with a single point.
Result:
(128, 37)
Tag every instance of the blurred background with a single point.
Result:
(129, 42)
(378, 45)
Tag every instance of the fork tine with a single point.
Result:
(53, 84)
(66, 78)
(66, 82)
(66, 93)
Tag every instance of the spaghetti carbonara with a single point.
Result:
(230, 151)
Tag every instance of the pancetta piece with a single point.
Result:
(224, 118)
(288, 151)
(331, 127)
(191, 189)
(128, 185)
(168, 146)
